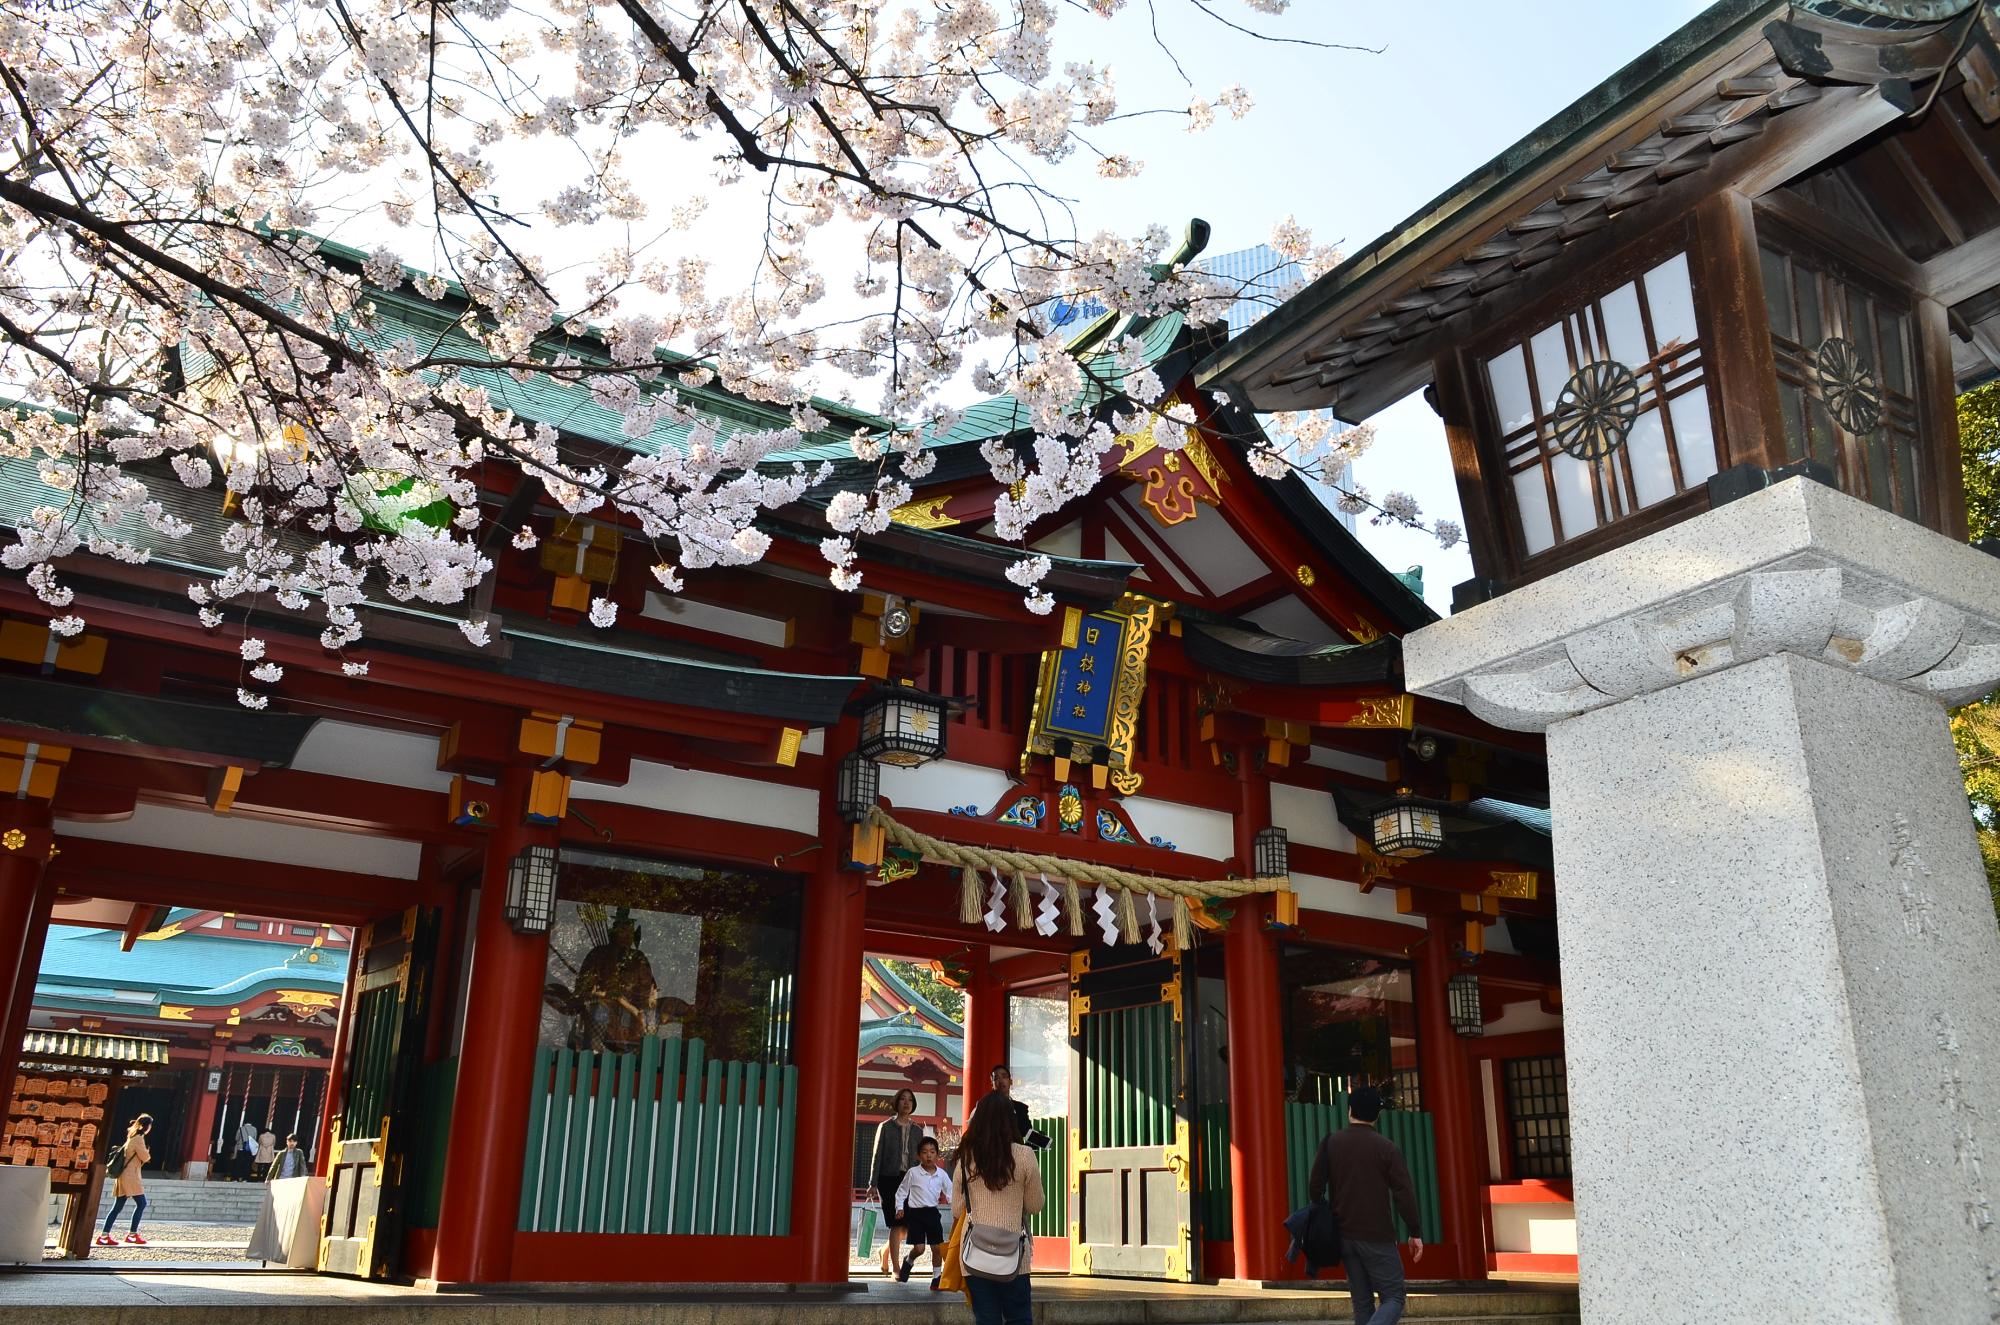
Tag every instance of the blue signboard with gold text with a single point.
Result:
(1087, 702)
(1085, 677)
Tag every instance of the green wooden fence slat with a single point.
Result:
(644, 1086)
(707, 1157)
(772, 1113)
(1114, 1044)
(531, 1162)
(726, 1162)
(666, 1138)
(618, 1157)
(569, 1215)
(686, 1155)
(603, 1107)
(555, 1136)
(749, 1169)
(1152, 1092)
(787, 1133)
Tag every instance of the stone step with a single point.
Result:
(186, 1202)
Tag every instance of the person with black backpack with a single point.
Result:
(124, 1165)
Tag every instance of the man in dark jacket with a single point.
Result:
(1024, 1130)
(1363, 1172)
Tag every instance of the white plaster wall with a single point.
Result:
(1547, 1228)
(1306, 814)
(939, 786)
(175, 829)
(1189, 827)
(712, 796)
(1489, 1094)
(1517, 1018)
(1064, 542)
(374, 754)
(717, 619)
(1347, 762)
(1317, 893)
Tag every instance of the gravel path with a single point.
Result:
(171, 1242)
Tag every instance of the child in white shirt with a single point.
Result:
(921, 1200)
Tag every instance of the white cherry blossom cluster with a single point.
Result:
(181, 346)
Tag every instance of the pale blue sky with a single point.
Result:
(1352, 143)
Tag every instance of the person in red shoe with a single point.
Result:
(126, 1164)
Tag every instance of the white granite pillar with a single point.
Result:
(1781, 969)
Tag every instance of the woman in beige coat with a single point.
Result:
(125, 1166)
(998, 1185)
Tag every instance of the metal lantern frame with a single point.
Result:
(1462, 999)
(1271, 851)
(531, 889)
(859, 787)
(1407, 827)
(903, 727)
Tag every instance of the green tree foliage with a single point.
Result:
(920, 977)
(1976, 727)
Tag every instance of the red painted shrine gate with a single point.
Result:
(651, 1073)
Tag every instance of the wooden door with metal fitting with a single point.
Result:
(1131, 1207)
(361, 1233)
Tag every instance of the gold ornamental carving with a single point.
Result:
(924, 513)
(1521, 885)
(13, 839)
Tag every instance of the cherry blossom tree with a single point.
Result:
(169, 316)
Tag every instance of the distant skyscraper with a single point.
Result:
(1265, 279)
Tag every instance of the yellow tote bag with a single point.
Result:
(951, 1275)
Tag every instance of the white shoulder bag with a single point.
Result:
(989, 1252)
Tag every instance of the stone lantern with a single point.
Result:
(1694, 344)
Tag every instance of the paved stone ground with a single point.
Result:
(150, 1295)
(177, 1243)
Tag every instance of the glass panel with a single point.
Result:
(1860, 326)
(1531, 498)
(1575, 501)
(1349, 1020)
(1825, 443)
(1908, 468)
(1670, 298)
(1551, 364)
(1895, 367)
(1809, 333)
(1694, 436)
(1777, 293)
(1876, 447)
(643, 947)
(1624, 332)
(1038, 1049)
(1652, 472)
(1508, 377)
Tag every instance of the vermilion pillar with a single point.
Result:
(489, 1126)
(1256, 1058)
(201, 1134)
(985, 1032)
(1450, 1098)
(826, 1040)
(26, 837)
(337, 1075)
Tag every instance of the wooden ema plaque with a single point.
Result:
(57, 1121)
